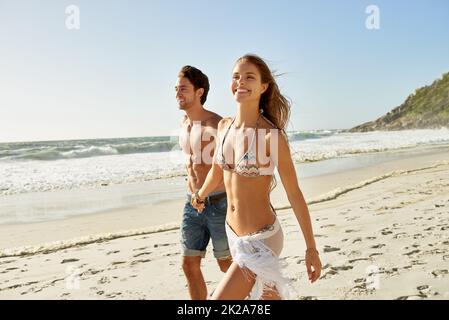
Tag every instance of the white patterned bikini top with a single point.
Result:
(247, 165)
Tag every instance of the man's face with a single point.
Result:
(185, 93)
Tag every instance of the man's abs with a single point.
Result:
(196, 175)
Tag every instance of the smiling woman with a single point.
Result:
(254, 233)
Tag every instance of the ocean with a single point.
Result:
(60, 165)
(38, 170)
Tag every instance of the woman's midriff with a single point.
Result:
(249, 207)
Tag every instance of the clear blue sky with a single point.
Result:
(115, 76)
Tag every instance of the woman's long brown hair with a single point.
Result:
(275, 106)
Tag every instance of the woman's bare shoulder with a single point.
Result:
(265, 123)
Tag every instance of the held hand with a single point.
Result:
(197, 203)
(313, 260)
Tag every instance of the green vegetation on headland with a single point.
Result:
(426, 108)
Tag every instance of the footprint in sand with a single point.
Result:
(400, 235)
(423, 288)
(330, 249)
(417, 262)
(378, 246)
(142, 254)
(357, 240)
(9, 269)
(7, 261)
(139, 249)
(163, 245)
(411, 252)
(92, 272)
(171, 254)
(375, 254)
(140, 261)
(69, 260)
(392, 271)
(342, 268)
(412, 297)
(327, 226)
(328, 274)
(103, 280)
(358, 259)
(439, 273)
(113, 252)
(426, 290)
(113, 294)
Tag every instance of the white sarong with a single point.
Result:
(259, 252)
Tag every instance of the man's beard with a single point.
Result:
(184, 106)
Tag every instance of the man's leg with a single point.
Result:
(224, 263)
(216, 219)
(194, 240)
(195, 279)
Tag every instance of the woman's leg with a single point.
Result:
(235, 285)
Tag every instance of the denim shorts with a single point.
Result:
(198, 228)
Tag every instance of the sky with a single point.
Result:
(115, 75)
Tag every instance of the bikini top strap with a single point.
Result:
(225, 135)
(227, 130)
(255, 131)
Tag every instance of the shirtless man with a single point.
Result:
(197, 229)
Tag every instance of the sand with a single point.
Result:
(382, 232)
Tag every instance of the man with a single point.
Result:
(197, 229)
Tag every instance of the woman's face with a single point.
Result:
(246, 84)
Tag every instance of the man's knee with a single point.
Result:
(224, 264)
(191, 266)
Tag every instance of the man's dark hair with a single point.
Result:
(197, 78)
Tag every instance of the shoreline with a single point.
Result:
(47, 206)
(167, 214)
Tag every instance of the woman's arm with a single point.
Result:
(289, 179)
(213, 179)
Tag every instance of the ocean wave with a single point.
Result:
(48, 153)
(305, 135)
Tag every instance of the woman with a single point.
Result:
(254, 233)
